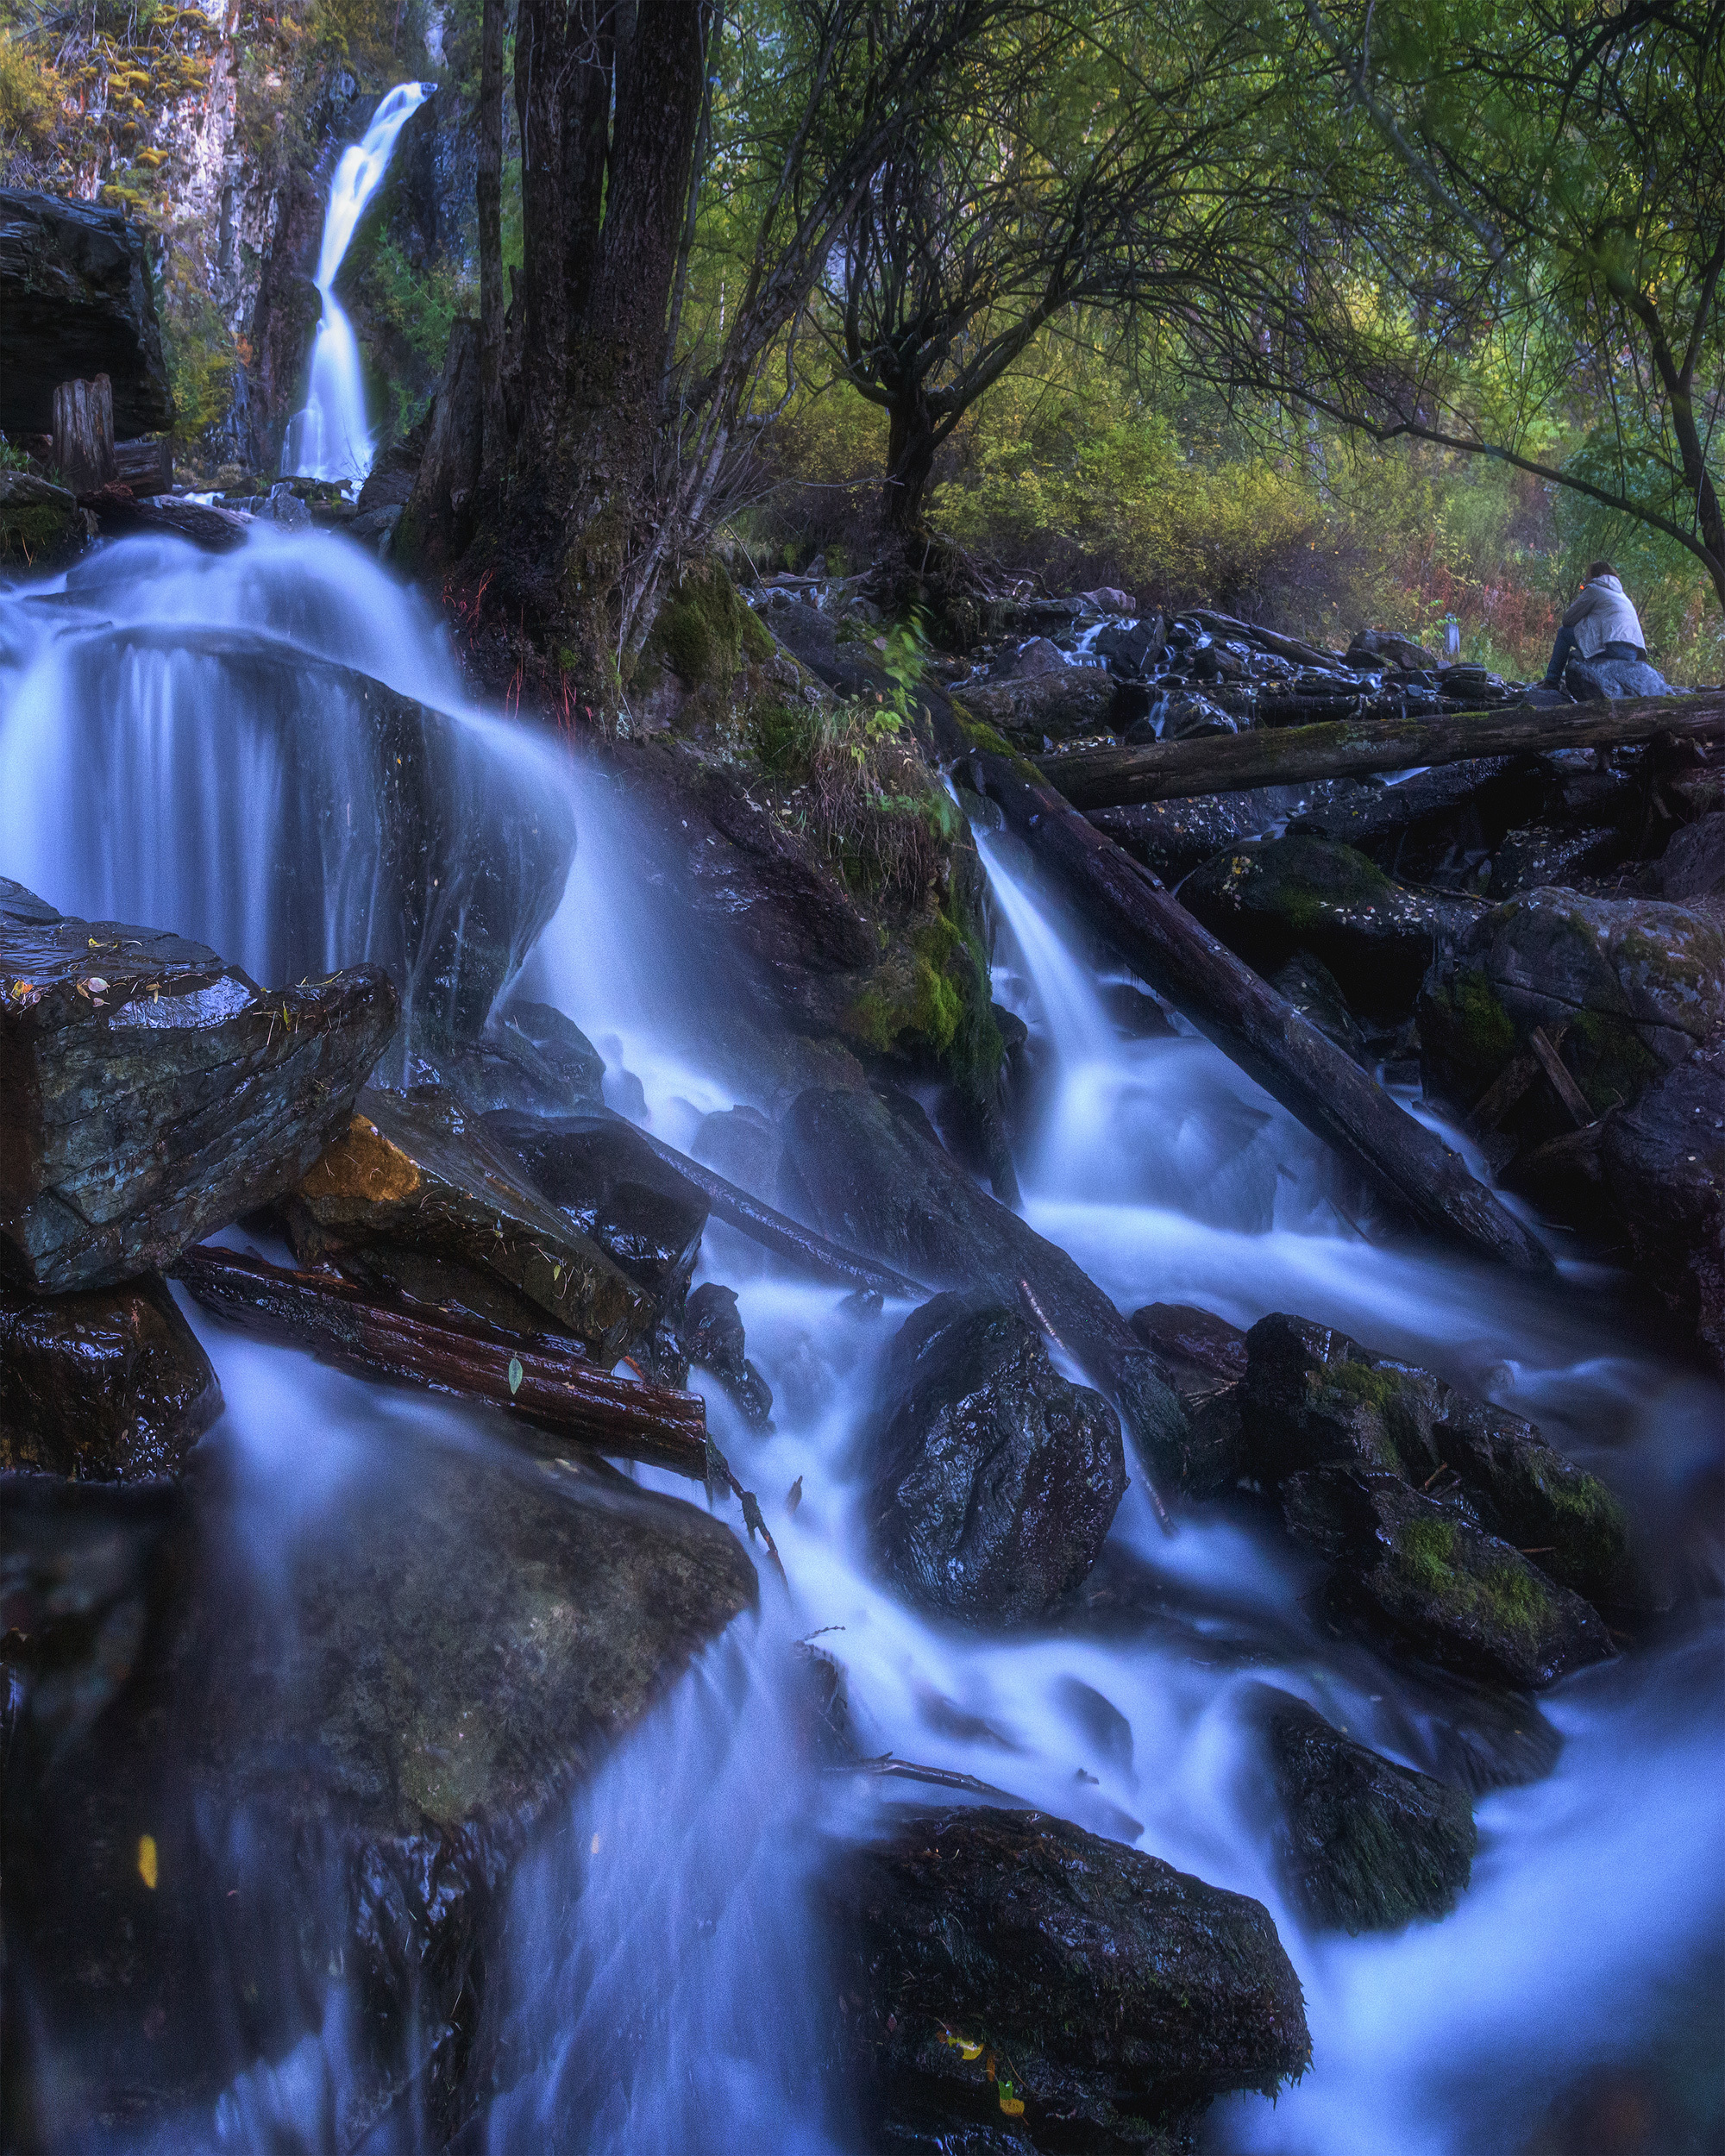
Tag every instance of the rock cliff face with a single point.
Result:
(78, 301)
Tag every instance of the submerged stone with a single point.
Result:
(1365, 1844)
(307, 1798)
(416, 1172)
(1428, 1576)
(994, 1959)
(992, 1480)
(154, 1093)
(104, 1384)
(713, 1336)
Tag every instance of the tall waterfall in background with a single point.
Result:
(330, 438)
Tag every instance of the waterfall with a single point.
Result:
(330, 438)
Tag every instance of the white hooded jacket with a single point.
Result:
(1603, 615)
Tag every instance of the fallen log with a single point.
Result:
(784, 1236)
(1241, 1012)
(545, 1381)
(1350, 748)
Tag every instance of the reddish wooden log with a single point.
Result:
(557, 1390)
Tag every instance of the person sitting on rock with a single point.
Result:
(1602, 623)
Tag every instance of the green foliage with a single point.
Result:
(30, 94)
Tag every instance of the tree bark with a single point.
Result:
(1257, 1028)
(1178, 770)
(557, 1390)
(910, 464)
(83, 434)
(540, 38)
(489, 190)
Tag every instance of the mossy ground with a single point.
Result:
(1500, 1597)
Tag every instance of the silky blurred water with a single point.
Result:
(658, 1987)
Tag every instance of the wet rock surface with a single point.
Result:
(876, 1183)
(418, 1191)
(1423, 1573)
(992, 1480)
(996, 1959)
(1030, 710)
(1365, 1844)
(155, 1092)
(1306, 894)
(1312, 1398)
(103, 1384)
(1663, 1160)
(713, 1338)
(460, 1642)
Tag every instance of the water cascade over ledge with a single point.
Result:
(330, 438)
(193, 742)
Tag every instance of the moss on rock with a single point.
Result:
(705, 630)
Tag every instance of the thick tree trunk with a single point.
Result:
(1257, 1028)
(911, 447)
(540, 39)
(1348, 748)
(545, 1381)
(438, 519)
(489, 190)
(83, 434)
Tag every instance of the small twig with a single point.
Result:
(940, 1777)
(718, 1470)
(1443, 1467)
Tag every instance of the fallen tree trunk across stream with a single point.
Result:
(1255, 1027)
(554, 1388)
(1354, 749)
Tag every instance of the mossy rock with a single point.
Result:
(42, 527)
(1423, 1574)
(705, 630)
(1363, 1844)
(1313, 1398)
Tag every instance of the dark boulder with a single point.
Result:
(1636, 983)
(1033, 709)
(993, 1482)
(42, 526)
(1540, 854)
(1365, 1845)
(1312, 1397)
(1692, 866)
(154, 1093)
(1172, 838)
(77, 300)
(876, 1182)
(104, 1384)
(1006, 1980)
(1037, 657)
(1315, 992)
(1663, 1165)
(1377, 937)
(1602, 680)
(1424, 1574)
(1131, 647)
(713, 1338)
(1204, 1357)
(1385, 647)
(419, 1194)
(358, 1751)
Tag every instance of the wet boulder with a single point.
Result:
(1663, 1165)
(1204, 1358)
(1171, 838)
(1034, 710)
(1604, 681)
(1313, 989)
(1302, 894)
(102, 1384)
(532, 1060)
(42, 526)
(154, 1093)
(1636, 984)
(1421, 1572)
(307, 1799)
(1363, 1844)
(1312, 1397)
(1692, 867)
(1006, 1980)
(1385, 647)
(992, 1480)
(418, 1193)
(713, 1338)
(879, 1182)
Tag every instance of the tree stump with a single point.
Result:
(83, 434)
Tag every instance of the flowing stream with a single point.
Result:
(331, 437)
(169, 755)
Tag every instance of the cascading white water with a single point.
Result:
(330, 438)
(654, 1993)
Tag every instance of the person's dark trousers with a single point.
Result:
(1564, 647)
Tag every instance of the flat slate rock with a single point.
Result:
(155, 1092)
(103, 1384)
(997, 1958)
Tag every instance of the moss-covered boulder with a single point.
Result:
(706, 630)
(1635, 985)
(1420, 1573)
(1302, 893)
(106, 1384)
(42, 526)
(1365, 1844)
(992, 1480)
(1007, 1981)
(1312, 1397)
